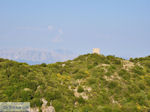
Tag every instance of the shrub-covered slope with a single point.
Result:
(89, 83)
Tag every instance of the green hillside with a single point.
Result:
(89, 83)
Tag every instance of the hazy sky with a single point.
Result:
(117, 27)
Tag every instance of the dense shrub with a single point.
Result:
(80, 75)
(112, 84)
(80, 89)
(92, 81)
(2, 60)
(80, 100)
(118, 62)
(108, 73)
(138, 70)
(124, 74)
(26, 95)
(107, 109)
(147, 81)
(43, 65)
(58, 105)
(36, 102)
(53, 95)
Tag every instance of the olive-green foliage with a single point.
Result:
(148, 81)
(139, 70)
(43, 65)
(53, 95)
(80, 89)
(80, 75)
(36, 102)
(91, 81)
(58, 105)
(80, 100)
(112, 84)
(108, 86)
(124, 74)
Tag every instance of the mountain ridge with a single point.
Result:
(36, 56)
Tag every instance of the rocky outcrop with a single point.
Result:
(48, 109)
(35, 109)
(44, 107)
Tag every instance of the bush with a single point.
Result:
(32, 84)
(102, 99)
(36, 102)
(43, 65)
(124, 74)
(91, 81)
(147, 81)
(148, 96)
(58, 105)
(138, 70)
(80, 89)
(80, 75)
(118, 62)
(2, 60)
(90, 66)
(112, 84)
(26, 95)
(147, 64)
(53, 95)
(88, 108)
(80, 100)
(108, 73)
(107, 109)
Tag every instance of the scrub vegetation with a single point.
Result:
(89, 83)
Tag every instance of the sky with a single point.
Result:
(117, 27)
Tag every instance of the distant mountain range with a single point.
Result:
(36, 56)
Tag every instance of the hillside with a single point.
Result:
(89, 83)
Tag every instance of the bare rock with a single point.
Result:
(35, 109)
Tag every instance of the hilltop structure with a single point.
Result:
(96, 50)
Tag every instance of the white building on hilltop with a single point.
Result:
(96, 50)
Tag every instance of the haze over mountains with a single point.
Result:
(36, 56)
